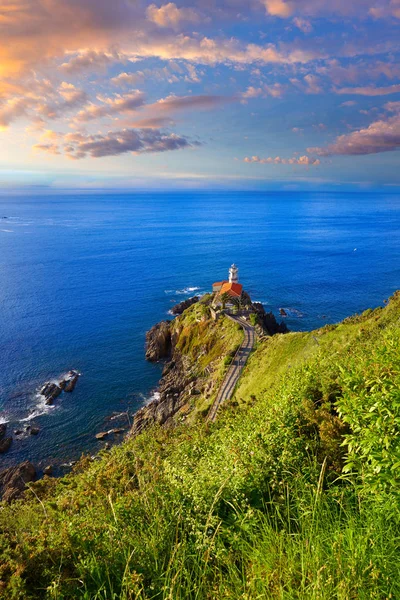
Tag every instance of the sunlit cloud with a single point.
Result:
(305, 161)
(381, 136)
(136, 141)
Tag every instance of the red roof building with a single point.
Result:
(233, 289)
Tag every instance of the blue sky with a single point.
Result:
(257, 94)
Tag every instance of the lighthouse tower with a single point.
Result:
(233, 274)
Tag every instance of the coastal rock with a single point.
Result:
(174, 391)
(269, 323)
(48, 471)
(69, 382)
(50, 391)
(5, 443)
(13, 480)
(158, 341)
(3, 429)
(179, 308)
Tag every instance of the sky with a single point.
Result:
(200, 93)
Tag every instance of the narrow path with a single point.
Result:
(235, 370)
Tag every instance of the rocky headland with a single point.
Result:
(181, 378)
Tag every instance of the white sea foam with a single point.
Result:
(7, 230)
(4, 420)
(154, 396)
(40, 409)
(185, 291)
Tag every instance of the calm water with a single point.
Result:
(82, 277)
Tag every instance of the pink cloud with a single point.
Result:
(380, 136)
(306, 161)
(370, 90)
(169, 15)
(116, 105)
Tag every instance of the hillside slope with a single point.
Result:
(292, 493)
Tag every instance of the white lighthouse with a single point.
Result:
(233, 274)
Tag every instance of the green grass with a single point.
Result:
(292, 494)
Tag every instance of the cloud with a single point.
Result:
(93, 60)
(278, 8)
(380, 136)
(370, 90)
(169, 15)
(276, 90)
(358, 71)
(311, 84)
(306, 161)
(114, 143)
(303, 24)
(116, 105)
(43, 101)
(172, 104)
(349, 103)
(317, 8)
(128, 79)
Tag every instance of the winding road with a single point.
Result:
(235, 370)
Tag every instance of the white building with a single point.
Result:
(233, 274)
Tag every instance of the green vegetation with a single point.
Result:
(292, 494)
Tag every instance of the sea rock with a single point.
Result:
(158, 341)
(48, 470)
(13, 480)
(101, 435)
(50, 391)
(68, 383)
(3, 429)
(269, 323)
(34, 430)
(18, 432)
(117, 431)
(179, 308)
(282, 312)
(5, 443)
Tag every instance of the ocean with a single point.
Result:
(83, 275)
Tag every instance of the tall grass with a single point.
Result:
(293, 494)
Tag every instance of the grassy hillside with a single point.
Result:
(293, 493)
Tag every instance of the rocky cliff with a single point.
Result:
(195, 346)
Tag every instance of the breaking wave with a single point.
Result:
(40, 409)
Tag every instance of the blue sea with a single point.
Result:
(84, 275)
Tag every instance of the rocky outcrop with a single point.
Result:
(5, 443)
(3, 430)
(51, 390)
(13, 480)
(69, 382)
(179, 308)
(175, 388)
(268, 321)
(158, 341)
